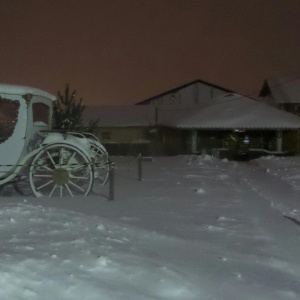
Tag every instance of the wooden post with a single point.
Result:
(298, 141)
(194, 149)
(279, 140)
(111, 183)
(140, 167)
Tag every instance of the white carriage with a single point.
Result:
(52, 163)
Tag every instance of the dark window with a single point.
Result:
(40, 114)
(9, 110)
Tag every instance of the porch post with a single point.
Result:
(279, 140)
(194, 141)
(298, 140)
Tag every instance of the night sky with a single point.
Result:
(124, 51)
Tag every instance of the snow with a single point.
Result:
(10, 89)
(233, 111)
(195, 228)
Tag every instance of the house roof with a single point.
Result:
(228, 112)
(282, 89)
(120, 116)
(147, 101)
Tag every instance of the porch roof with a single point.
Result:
(228, 112)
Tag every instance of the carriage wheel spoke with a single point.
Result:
(77, 186)
(45, 167)
(55, 186)
(43, 175)
(70, 192)
(78, 167)
(61, 156)
(79, 177)
(43, 185)
(50, 157)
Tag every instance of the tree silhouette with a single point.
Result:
(67, 111)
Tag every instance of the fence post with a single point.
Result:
(140, 166)
(111, 183)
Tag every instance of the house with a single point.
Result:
(206, 127)
(129, 129)
(214, 113)
(196, 118)
(282, 92)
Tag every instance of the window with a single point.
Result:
(40, 114)
(9, 110)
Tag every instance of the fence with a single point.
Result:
(128, 160)
(121, 162)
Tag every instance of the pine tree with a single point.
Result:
(67, 111)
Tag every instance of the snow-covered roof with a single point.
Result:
(120, 116)
(283, 89)
(10, 89)
(227, 112)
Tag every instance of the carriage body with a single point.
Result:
(54, 163)
(24, 111)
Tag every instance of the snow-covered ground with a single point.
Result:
(194, 228)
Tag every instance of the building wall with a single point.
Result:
(121, 134)
(291, 141)
(207, 92)
(207, 140)
(126, 141)
(170, 142)
(290, 138)
(167, 141)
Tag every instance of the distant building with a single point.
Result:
(282, 92)
(196, 118)
(123, 129)
(206, 127)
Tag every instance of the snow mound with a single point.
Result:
(49, 253)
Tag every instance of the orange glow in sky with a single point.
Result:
(124, 51)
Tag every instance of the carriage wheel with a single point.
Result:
(61, 170)
(22, 185)
(103, 163)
